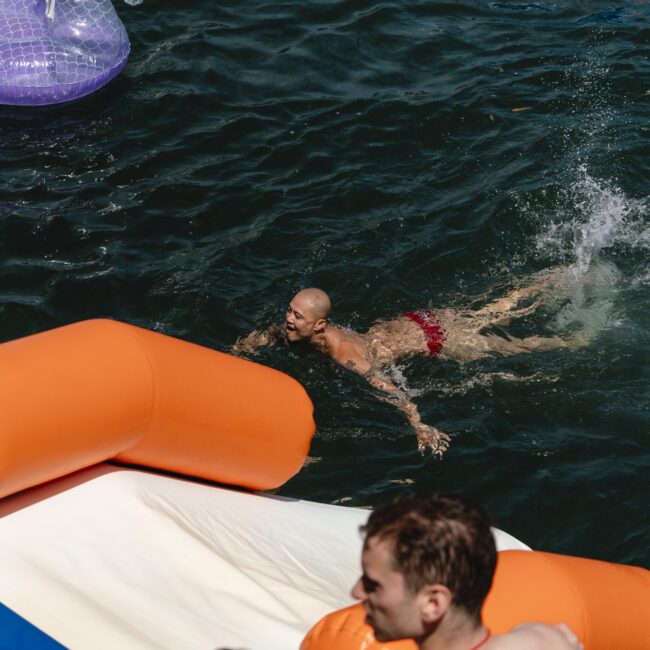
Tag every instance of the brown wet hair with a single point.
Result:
(439, 540)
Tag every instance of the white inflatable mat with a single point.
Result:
(134, 560)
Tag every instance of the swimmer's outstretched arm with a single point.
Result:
(256, 339)
(427, 435)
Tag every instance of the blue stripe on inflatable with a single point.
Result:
(18, 634)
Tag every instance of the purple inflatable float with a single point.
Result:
(52, 53)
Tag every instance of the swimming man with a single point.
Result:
(448, 333)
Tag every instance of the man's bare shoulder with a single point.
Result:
(535, 636)
(351, 355)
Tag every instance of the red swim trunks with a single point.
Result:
(431, 327)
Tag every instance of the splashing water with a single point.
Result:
(399, 379)
(604, 218)
(603, 222)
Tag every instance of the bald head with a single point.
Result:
(318, 301)
(307, 315)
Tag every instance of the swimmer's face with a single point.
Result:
(392, 609)
(300, 321)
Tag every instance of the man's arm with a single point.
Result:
(427, 435)
(256, 339)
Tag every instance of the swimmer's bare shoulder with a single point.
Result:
(350, 353)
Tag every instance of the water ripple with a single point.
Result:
(398, 154)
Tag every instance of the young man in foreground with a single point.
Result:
(428, 563)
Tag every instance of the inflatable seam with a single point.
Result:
(548, 557)
(134, 335)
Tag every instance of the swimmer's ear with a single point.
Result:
(320, 325)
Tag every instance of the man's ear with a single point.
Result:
(435, 600)
(320, 325)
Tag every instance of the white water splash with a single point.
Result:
(604, 218)
(599, 223)
(399, 379)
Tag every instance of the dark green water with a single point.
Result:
(371, 148)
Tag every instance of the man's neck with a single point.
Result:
(325, 341)
(454, 636)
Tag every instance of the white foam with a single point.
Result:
(598, 220)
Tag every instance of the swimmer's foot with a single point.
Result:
(578, 340)
(432, 438)
(503, 318)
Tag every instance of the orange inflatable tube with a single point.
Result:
(100, 389)
(606, 605)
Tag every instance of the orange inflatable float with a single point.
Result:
(100, 389)
(606, 605)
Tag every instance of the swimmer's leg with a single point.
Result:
(508, 303)
(502, 310)
(508, 347)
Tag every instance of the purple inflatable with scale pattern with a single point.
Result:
(54, 51)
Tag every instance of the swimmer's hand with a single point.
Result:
(251, 343)
(432, 438)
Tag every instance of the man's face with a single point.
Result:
(392, 610)
(300, 319)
